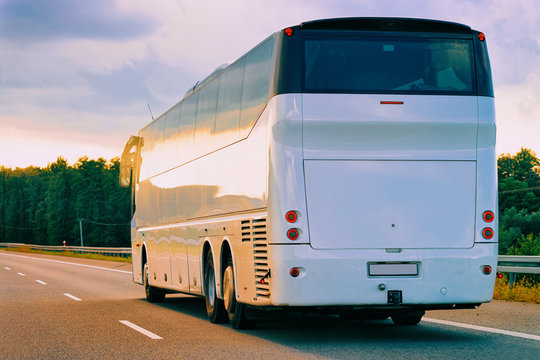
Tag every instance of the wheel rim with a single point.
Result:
(146, 286)
(211, 287)
(228, 289)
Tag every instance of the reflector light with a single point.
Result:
(289, 31)
(392, 102)
(291, 216)
(487, 233)
(294, 272)
(486, 269)
(292, 234)
(481, 37)
(488, 216)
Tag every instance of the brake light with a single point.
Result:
(291, 216)
(487, 233)
(294, 272)
(488, 216)
(481, 36)
(293, 234)
(289, 31)
(486, 269)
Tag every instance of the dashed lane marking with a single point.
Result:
(41, 282)
(21, 274)
(72, 297)
(151, 335)
(7, 268)
(484, 329)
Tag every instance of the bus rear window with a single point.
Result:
(396, 65)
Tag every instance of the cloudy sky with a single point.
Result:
(76, 76)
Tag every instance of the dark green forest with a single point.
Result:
(43, 205)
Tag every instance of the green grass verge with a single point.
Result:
(523, 290)
(26, 249)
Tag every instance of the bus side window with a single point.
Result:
(229, 105)
(256, 86)
(206, 118)
(186, 129)
(172, 119)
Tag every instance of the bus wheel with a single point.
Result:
(214, 305)
(236, 310)
(408, 318)
(152, 294)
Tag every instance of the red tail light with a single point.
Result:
(293, 234)
(500, 275)
(486, 269)
(291, 216)
(294, 272)
(487, 233)
(488, 216)
(289, 31)
(481, 37)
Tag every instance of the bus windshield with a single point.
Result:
(388, 65)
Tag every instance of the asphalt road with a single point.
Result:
(66, 308)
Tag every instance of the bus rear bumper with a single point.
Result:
(341, 277)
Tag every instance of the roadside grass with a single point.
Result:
(26, 249)
(523, 290)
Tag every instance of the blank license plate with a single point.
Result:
(407, 269)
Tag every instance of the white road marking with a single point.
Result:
(7, 268)
(72, 297)
(68, 263)
(151, 335)
(21, 274)
(41, 282)
(483, 328)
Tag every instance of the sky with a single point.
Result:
(77, 76)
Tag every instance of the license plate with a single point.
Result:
(393, 269)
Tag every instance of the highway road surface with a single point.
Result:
(54, 307)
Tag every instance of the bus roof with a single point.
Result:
(386, 24)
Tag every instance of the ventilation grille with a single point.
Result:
(254, 230)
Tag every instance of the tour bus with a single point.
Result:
(344, 166)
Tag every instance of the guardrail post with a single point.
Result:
(512, 279)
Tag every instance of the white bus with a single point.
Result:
(342, 165)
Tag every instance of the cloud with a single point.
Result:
(84, 70)
(53, 19)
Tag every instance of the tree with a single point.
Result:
(519, 181)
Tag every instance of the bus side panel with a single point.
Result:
(136, 256)
(486, 197)
(286, 170)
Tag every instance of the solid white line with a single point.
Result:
(41, 282)
(68, 263)
(72, 297)
(140, 329)
(483, 328)
(21, 274)
(7, 268)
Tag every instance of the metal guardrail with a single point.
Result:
(514, 264)
(108, 251)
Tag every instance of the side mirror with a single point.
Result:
(129, 161)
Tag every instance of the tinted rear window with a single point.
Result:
(388, 65)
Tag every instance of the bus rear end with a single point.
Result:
(383, 148)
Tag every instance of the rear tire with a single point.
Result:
(214, 306)
(235, 310)
(408, 319)
(153, 294)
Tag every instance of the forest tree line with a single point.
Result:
(43, 205)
